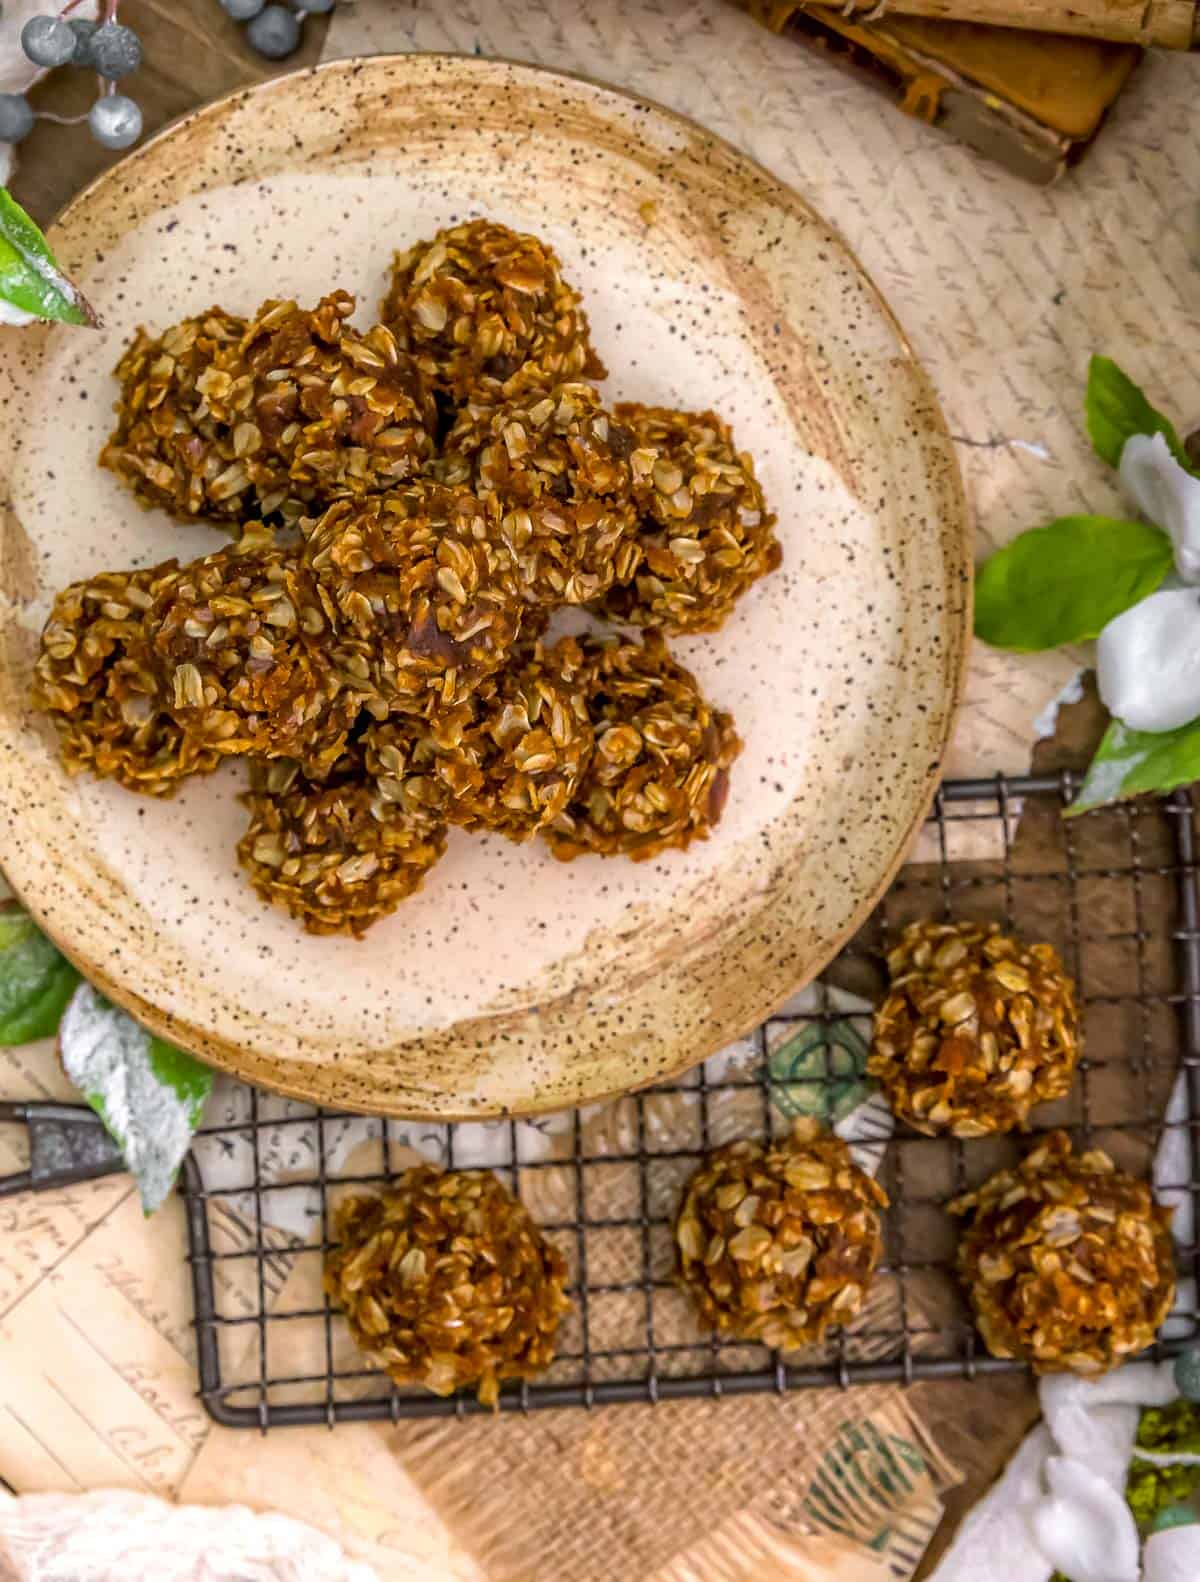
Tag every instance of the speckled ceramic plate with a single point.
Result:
(511, 982)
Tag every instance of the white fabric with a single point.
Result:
(1083, 1525)
(1166, 494)
(995, 1543)
(1173, 1556)
(1064, 1487)
(115, 1536)
(1094, 1421)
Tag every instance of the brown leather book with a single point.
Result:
(1033, 102)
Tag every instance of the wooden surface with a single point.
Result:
(979, 1424)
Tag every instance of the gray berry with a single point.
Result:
(48, 41)
(16, 118)
(115, 121)
(115, 51)
(274, 32)
(84, 32)
(243, 10)
(317, 7)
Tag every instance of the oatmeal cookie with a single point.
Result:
(447, 1282)
(425, 593)
(1068, 1262)
(975, 1031)
(557, 473)
(511, 757)
(97, 677)
(704, 533)
(299, 408)
(166, 446)
(779, 1241)
(479, 302)
(249, 658)
(335, 853)
(659, 774)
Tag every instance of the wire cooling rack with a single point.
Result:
(1115, 891)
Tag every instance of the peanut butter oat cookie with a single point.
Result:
(248, 656)
(557, 473)
(337, 854)
(447, 1282)
(779, 1241)
(166, 446)
(97, 677)
(975, 1031)
(510, 758)
(1068, 1262)
(425, 593)
(659, 774)
(705, 534)
(299, 408)
(479, 301)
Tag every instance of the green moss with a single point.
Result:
(1174, 1427)
(1151, 1489)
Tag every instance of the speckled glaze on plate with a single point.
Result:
(512, 982)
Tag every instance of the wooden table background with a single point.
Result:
(195, 53)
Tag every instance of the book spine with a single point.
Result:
(1165, 24)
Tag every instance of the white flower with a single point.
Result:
(1166, 494)
(1148, 661)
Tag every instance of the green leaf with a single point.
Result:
(1065, 582)
(149, 1094)
(36, 980)
(29, 277)
(1117, 409)
(1130, 763)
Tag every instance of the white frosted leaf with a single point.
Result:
(149, 1094)
(1148, 661)
(1166, 494)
